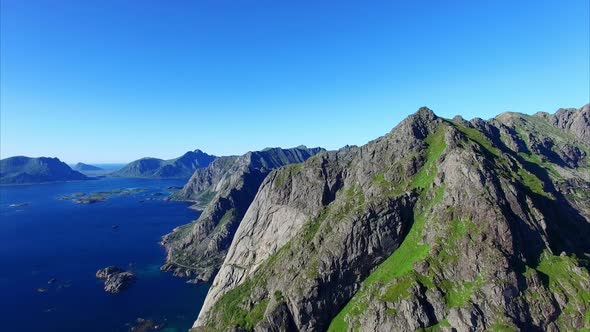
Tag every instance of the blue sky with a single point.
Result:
(113, 80)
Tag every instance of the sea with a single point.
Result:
(51, 248)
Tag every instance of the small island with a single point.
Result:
(99, 196)
(18, 204)
(115, 279)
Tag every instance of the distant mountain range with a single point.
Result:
(181, 167)
(24, 170)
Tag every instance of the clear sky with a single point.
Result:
(115, 80)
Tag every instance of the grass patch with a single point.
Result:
(204, 198)
(399, 264)
(499, 326)
(285, 172)
(532, 182)
(226, 217)
(476, 136)
(399, 289)
(458, 294)
(437, 327)
(436, 146)
(565, 276)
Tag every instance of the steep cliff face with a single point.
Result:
(225, 190)
(440, 224)
(25, 170)
(181, 167)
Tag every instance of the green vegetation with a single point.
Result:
(400, 263)
(437, 327)
(231, 308)
(226, 217)
(399, 289)
(436, 146)
(448, 245)
(458, 294)
(532, 182)
(256, 313)
(410, 251)
(285, 172)
(479, 138)
(179, 232)
(398, 267)
(565, 276)
(205, 197)
(499, 326)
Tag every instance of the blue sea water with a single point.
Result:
(51, 238)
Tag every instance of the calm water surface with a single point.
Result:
(51, 238)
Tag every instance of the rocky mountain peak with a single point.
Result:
(440, 224)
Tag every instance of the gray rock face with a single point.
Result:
(439, 224)
(225, 188)
(574, 121)
(181, 167)
(115, 279)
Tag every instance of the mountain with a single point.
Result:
(21, 170)
(225, 190)
(438, 225)
(181, 167)
(81, 167)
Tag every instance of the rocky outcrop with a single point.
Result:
(574, 121)
(225, 188)
(115, 279)
(440, 224)
(181, 167)
(25, 170)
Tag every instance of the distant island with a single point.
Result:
(26, 170)
(81, 167)
(181, 167)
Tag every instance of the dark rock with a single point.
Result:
(116, 279)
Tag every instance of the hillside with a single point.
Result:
(225, 190)
(181, 167)
(25, 170)
(471, 225)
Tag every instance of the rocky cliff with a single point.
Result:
(438, 225)
(225, 190)
(24, 170)
(181, 167)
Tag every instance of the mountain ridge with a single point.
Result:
(180, 167)
(224, 190)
